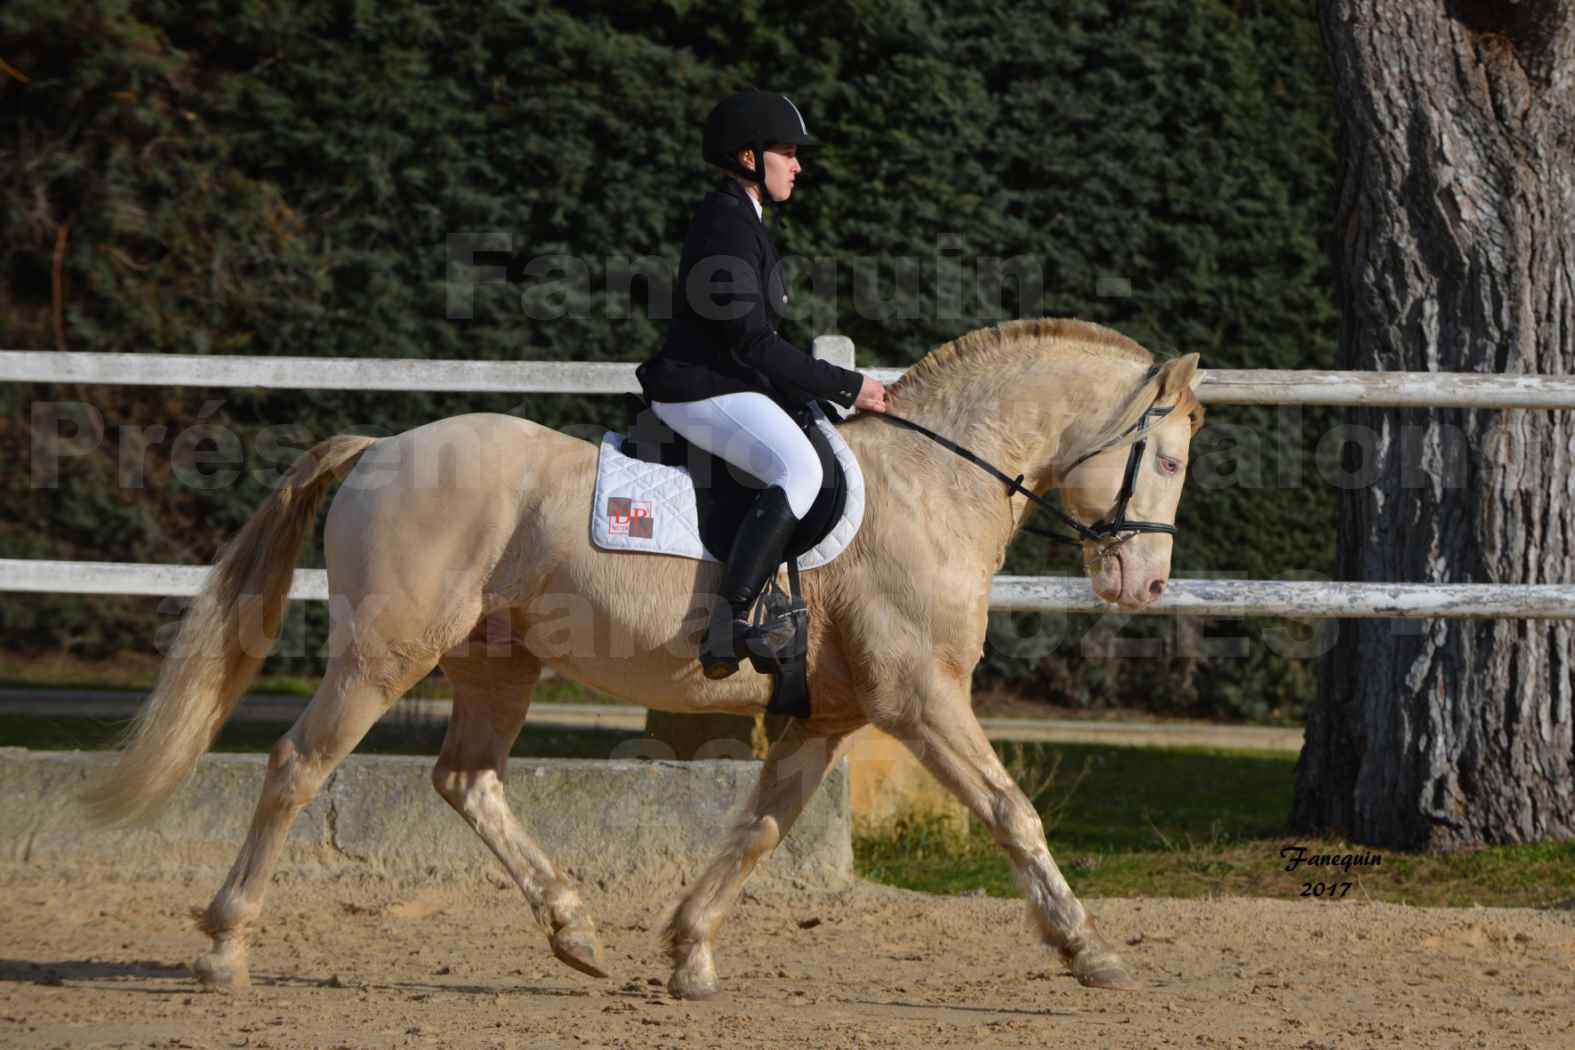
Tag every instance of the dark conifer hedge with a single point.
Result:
(300, 177)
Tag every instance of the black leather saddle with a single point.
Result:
(723, 493)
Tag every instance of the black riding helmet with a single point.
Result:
(752, 120)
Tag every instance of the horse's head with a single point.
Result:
(1131, 567)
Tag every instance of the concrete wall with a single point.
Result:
(887, 786)
(603, 821)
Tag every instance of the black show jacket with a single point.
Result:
(729, 299)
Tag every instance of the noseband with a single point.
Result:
(1108, 532)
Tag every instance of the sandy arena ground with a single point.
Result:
(361, 963)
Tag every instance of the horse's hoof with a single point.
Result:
(693, 991)
(693, 995)
(579, 948)
(694, 978)
(217, 974)
(1096, 966)
(1112, 977)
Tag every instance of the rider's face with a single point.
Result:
(782, 168)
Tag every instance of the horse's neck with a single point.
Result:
(1014, 414)
(1020, 412)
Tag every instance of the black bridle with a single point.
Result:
(1107, 531)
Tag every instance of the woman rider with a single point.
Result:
(724, 379)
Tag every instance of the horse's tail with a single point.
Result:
(222, 642)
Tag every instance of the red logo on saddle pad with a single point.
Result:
(630, 517)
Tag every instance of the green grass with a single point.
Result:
(1128, 822)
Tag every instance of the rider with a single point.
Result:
(724, 379)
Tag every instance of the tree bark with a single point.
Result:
(1456, 228)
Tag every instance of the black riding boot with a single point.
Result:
(757, 552)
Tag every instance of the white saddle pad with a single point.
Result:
(650, 508)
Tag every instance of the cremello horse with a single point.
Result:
(464, 543)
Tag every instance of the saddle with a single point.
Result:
(722, 495)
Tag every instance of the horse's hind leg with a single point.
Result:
(357, 689)
(948, 740)
(793, 769)
(491, 696)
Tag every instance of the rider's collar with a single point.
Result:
(736, 188)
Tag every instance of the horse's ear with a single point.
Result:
(1177, 375)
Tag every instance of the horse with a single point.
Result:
(443, 541)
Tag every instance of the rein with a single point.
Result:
(1106, 531)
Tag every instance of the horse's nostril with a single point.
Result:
(1156, 588)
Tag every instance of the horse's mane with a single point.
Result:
(982, 348)
(983, 353)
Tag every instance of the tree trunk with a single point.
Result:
(1456, 228)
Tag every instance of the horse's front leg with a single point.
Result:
(946, 737)
(793, 769)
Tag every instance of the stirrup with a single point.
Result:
(779, 632)
(773, 636)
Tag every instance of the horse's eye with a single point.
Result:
(1169, 465)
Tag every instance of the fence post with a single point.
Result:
(687, 734)
(838, 350)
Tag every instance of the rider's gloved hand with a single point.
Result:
(872, 396)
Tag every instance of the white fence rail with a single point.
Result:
(320, 373)
(1219, 386)
(1311, 600)
(1301, 600)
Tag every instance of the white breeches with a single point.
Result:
(754, 434)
